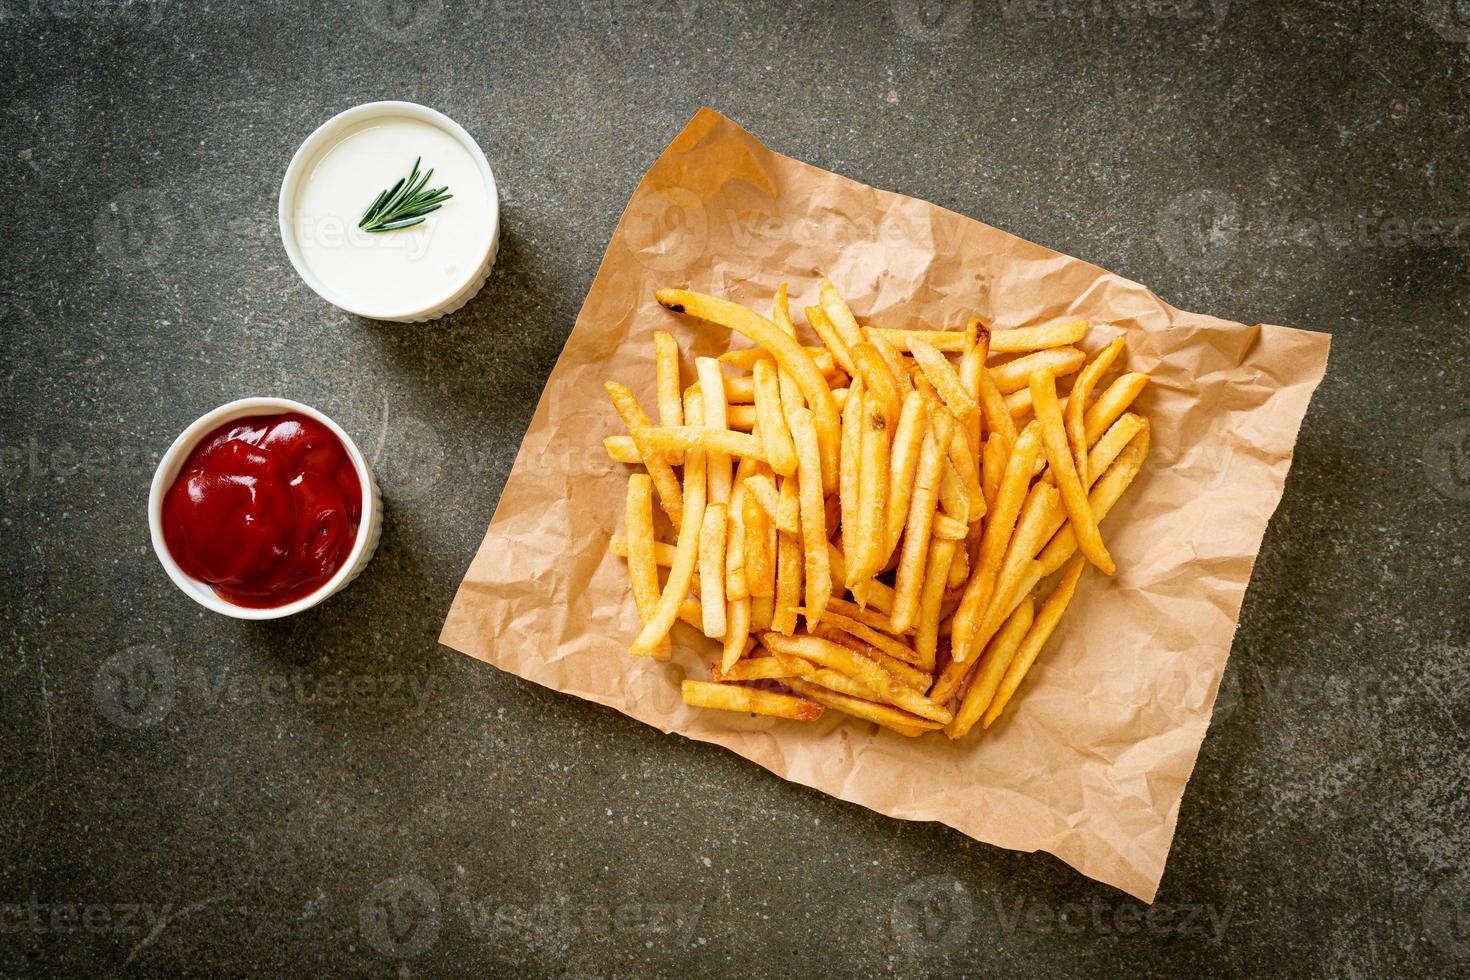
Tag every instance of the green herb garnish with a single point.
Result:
(405, 203)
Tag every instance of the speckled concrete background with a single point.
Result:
(338, 794)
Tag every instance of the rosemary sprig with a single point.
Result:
(405, 203)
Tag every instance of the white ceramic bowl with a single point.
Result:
(326, 136)
(369, 528)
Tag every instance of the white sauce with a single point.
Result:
(392, 272)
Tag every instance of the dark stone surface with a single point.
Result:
(334, 793)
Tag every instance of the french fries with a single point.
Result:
(838, 511)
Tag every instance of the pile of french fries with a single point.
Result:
(872, 524)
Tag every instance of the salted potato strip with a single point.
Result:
(1021, 340)
(780, 450)
(735, 583)
(1017, 374)
(825, 329)
(872, 488)
(997, 657)
(1059, 458)
(884, 715)
(878, 639)
(642, 564)
(839, 313)
(993, 466)
(760, 565)
(1105, 493)
(998, 529)
(920, 522)
(723, 442)
(818, 571)
(849, 477)
(872, 618)
(1074, 415)
(1040, 517)
(784, 511)
(1113, 403)
(880, 596)
(936, 575)
(686, 554)
(670, 497)
(670, 390)
(663, 554)
(897, 368)
(959, 568)
(878, 379)
(622, 449)
(758, 668)
(737, 631)
(862, 669)
(910, 674)
(712, 570)
(942, 375)
(790, 355)
(967, 468)
(949, 341)
(1041, 630)
(998, 418)
(716, 417)
(948, 528)
(903, 462)
(746, 358)
(788, 581)
(733, 697)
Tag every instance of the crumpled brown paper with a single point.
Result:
(1091, 759)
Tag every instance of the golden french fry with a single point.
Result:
(952, 496)
(622, 449)
(945, 381)
(926, 643)
(840, 314)
(911, 675)
(741, 418)
(884, 685)
(948, 528)
(993, 664)
(773, 430)
(908, 440)
(670, 390)
(737, 631)
(1105, 494)
(757, 668)
(920, 521)
(1059, 458)
(949, 341)
(732, 697)
(778, 507)
(1017, 374)
(873, 617)
(717, 463)
(1112, 444)
(642, 565)
(959, 569)
(897, 369)
(736, 586)
(967, 468)
(855, 621)
(1113, 403)
(998, 528)
(827, 330)
(998, 418)
(760, 567)
(664, 480)
(790, 355)
(1041, 630)
(993, 466)
(653, 440)
(663, 554)
(1074, 416)
(1024, 339)
(849, 481)
(1041, 515)
(746, 358)
(813, 515)
(872, 488)
(686, 554)
(887, 716)
(878, 379)
(762, 612)
(712, 570)
(788, 582)
(972, 366)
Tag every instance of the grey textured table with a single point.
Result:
(337, 794)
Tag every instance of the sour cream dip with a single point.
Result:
(406, 274)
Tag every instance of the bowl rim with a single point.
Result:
(172, 461)
(306, 154)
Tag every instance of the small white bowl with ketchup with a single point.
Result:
(262, 508)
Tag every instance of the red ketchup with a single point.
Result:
(265, 509)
